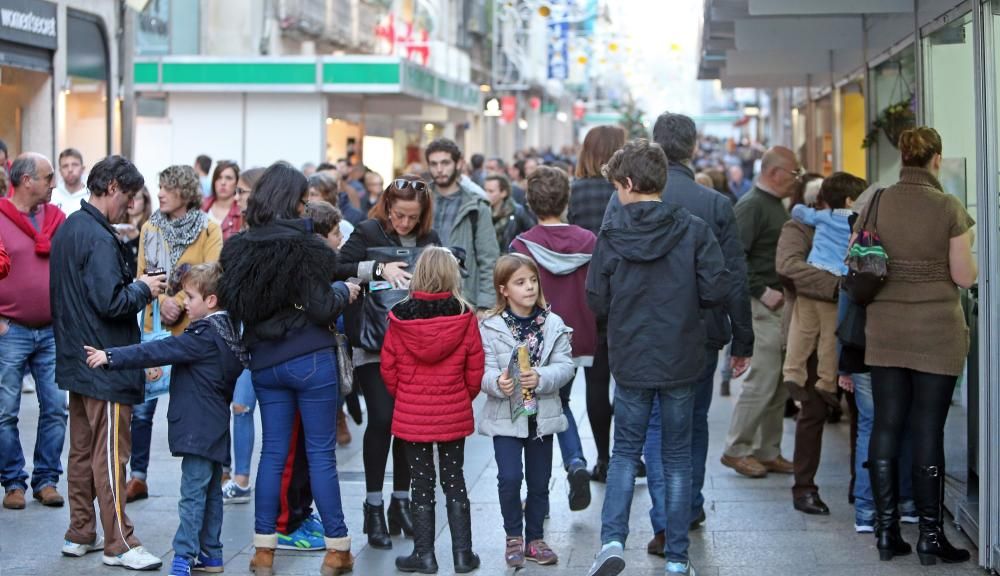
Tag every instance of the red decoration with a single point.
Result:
(535, 102)
(508, 108)
(579, 110)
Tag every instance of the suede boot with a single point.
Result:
(262, 563)
(338, 559)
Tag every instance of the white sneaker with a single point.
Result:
(909, 518)
(135, 559)
(77, 550)
(864, 528)
(233, 493)
(28, 384)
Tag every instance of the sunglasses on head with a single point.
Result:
(402, 184)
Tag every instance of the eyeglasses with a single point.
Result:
(417, 185)
(798, 173)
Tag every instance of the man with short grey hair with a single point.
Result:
(753, 446)
(27, 224)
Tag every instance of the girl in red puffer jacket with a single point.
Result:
(432, 364)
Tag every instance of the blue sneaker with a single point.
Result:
(684, 568)
(205, 564)
(180, 567)
(301, 539)
(314, 525)
(233, 493)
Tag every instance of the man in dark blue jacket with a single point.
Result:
(95, 301)
(207, 359)
(654, 267)
(678, 136)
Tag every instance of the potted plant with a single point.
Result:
(892, 121)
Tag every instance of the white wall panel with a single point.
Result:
(284, 127)
(204, 124)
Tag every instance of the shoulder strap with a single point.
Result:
(873, 207)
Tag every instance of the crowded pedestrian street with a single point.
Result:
(749, 522)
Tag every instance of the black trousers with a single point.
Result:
(378, 434)
(901, 394)
(451, 460)
(599, 409)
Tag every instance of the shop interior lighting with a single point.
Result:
(562, 116)
(752, 111)
(522, 124)
(428, 127)
(329, 121)
(492, 108)
(485, 88)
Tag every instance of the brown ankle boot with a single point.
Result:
(343, 432)
(262, 563)
(338, 559)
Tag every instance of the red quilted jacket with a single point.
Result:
(433, 367)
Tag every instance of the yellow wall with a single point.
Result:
(853, 118)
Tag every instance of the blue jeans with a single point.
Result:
(243, 424)
(23, 349)
(308, 384)
(199, 509)
(864, 502)
(569, 439)
(537, 469)
(142, 437)
(632, 411)
(699, 448)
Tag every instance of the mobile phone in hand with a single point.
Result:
(156, 272)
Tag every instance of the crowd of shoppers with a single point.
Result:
(489, 277)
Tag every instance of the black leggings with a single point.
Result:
(378, 434)
(451, 456)
(599, 410)
(923, 399)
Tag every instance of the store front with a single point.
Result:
(56, 80)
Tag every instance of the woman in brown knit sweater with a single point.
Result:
(917, 340)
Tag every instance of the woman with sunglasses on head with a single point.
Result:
(402, 217)
(221, 205)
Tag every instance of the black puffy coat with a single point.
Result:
(95, 302)
(277, 281)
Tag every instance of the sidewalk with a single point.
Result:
(752, 528)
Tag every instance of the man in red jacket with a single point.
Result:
(563, 252)
(27, 224)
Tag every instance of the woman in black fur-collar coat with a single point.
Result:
(277, 282)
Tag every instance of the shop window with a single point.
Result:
(168, 27)
(893, 83)
(87, 124)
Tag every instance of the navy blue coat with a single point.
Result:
(654, 268)
(201, 386)
(732, 321)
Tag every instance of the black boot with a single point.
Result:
(400, 519)
(460, 522)
(378, 535)
(928, 488)
(422, 559)
(885, 479)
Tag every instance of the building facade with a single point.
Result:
(845, 77)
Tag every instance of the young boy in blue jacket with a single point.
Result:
(207, 359)
(655, 266)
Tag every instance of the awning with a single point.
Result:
(780, 43)
(354, 75)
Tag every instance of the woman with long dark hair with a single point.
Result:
(222, 205)
(277, 282)
(402, 217)
(917, 340)
(588, 200)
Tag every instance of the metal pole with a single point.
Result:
(125, 62)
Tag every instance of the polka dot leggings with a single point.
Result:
(451, 457)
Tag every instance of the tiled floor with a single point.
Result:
(751, 529)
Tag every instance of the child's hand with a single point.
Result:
(354, 289)
(506, 383)
(529, 379)
(95, 358)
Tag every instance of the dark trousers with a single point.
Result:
(378, 434)
(809, 436)
(296, 501)
(599, 411)
(519, 459)
(923, 399)
(451, 460)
